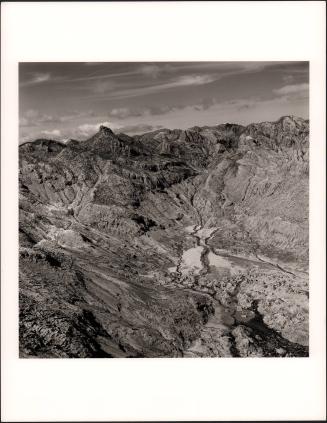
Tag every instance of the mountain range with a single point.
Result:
(173, 243)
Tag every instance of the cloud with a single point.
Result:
(33, 117)
(150, 70)
(53, 133)
(204, 104)
(99, 86)
(181, 81)
(138, 128)
(194, 80)
(141, 79)
(292, 89)
(37, 78)
(23, 121)
(125, 112)
(104, 76)
(75, 115)
(41, 77)
(245, 106)
(146, 112)
(288, 78)
(88, 129)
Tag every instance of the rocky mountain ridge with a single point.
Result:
(172, 243)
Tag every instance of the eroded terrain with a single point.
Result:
(169, 244)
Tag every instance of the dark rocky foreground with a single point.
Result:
(168, 244)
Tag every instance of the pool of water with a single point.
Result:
(191, 261)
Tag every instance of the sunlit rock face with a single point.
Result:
(174, 243)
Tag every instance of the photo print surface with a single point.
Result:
(163, 209)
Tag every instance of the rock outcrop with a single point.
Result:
(109, 225)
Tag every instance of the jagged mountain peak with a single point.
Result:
(104, 133)
(105, 130)
(291, 118)
(101, 139)
(284, 121)
(286, 132)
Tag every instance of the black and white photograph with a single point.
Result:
(163, 209)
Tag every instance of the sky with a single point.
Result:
(71, 100)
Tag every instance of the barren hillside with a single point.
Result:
(175, 243)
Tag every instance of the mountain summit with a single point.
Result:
(105, 130)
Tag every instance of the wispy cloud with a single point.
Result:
(107, 75)
(292, 89)
(170, 75)
(138, 128)
(150, 70)
(37, 78)
(41, 77)
(33, 117)
(100, 86)
(87, 129)
(44, 77)
(154, 70)
(125, 112)
(167, 76)
(182, 81)
(288, 78)
(194, 80)
(52, 133)
(74, 115)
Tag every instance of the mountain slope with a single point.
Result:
(173, 243)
